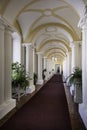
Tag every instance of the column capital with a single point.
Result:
(26, 44)
(16, 36)
(69, 52)
(9, 29)
(6, 24)
(83, 19)
(39, 53)
(45, 57)
(74, 43)
(2, 27)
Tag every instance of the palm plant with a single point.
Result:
(19, 76)
(75, 77)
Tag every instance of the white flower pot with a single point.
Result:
(78, 93)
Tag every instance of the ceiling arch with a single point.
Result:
(59, 56)
(70, 34)
(7, 5)
(53, 43)
(55, 52)
(55, 49)
(47, 24)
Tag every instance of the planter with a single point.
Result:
(18, 92)
(78, 93)
(75, 79)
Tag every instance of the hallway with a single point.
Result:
(45, 37)
(74, 116)
(47, 109)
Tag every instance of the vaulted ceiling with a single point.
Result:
(50, 25)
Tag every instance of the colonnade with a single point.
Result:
(79, 59)
(36, 62)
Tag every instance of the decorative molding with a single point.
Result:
(39, 53)
(26, 44)
(6, 25)
(74, 43)
(83, 19)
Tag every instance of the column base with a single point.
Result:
(7, 107)
(83, 113)
(40, 82)
(30, 89)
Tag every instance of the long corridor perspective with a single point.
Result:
(46, 110)
(73, 116)
(39, 39)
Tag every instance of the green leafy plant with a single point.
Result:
(35, 78)
(75, 77)
(19, 76)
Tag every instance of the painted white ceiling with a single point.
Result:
(48, 24)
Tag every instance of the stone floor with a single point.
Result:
(76, 120)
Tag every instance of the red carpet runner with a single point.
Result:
(47, 110)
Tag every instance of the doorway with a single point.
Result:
(57, 69)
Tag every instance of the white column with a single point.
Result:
(83, 106)
(23, 55)
(73, 56)
(76, 54)
(80, 55)
(7, 102)
(69, 62)
(35, 63)
(65, 67)
(1, 64)
(16, 48)
(29, 67)
(40, 80)
(8, 62)
(45, 66)
(45, 62)
(33, 49)
(49, 68)
(69, 70)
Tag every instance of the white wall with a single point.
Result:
(16, 48)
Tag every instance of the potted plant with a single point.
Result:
(19, 78)
(35, 78)
(43, 74)
(75, 78)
